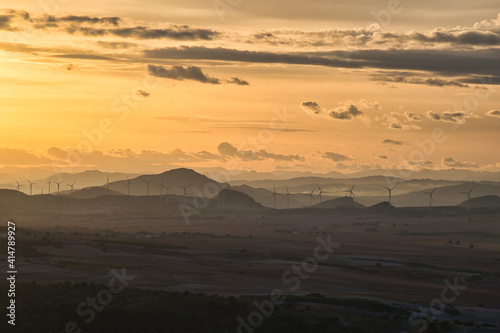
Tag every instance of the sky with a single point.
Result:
(318, 86)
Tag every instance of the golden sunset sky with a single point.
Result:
(322, 85)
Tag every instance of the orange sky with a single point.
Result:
(313, 87)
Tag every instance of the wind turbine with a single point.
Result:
(351, 194)
(320, 194)
(49, 182)
(430, 198)
(107, 183)
(71, 185)
(18, 186)
(390, 192)
(161, 186)
(128, 186)
(168, 188)
(185, 193)
(311, 197)
(147, 182)
(468, 197)
(31, 186)
(58, 184)
(274, 195)
(287, 197)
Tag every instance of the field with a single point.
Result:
(448, 265)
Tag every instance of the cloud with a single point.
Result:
(183, 33)
(346, 112)
(311, 107)
(393, 142)
(92, 26)
(391, 121)
(227, 150)
(452, 163)
(142, 93)
(180, 73)
(493, 113)
(237, 81)
(451, 117)
(430, 81)
(411, 116)
(5, 21)
(426, 163)
(382, 157)
(335, 157)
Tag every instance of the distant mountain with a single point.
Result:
(199, 185)
(487, 201)
(343, 202)
(93, 192)
(234, 201)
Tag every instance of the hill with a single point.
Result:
(487, 201)
(199, 185)
(235, 201)
(343, 202)
(93, 192)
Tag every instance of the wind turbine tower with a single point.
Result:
(185, 193)
(320, 194)
(147, 182)
(274, 195)
(287, 197)
(107, 183)
(351, 194)
(390, 192)
(58, 184)
(468, 197)
(128, 186)
(18, 186)
(311, 196)
(31, 187)
(49, 182)
(72, 187)
(431, 198)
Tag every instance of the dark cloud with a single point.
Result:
(452, 163)
(99, 26)
(116, 45)
(345, 113)
(448, 62)
(219, 53)
(141, 32)
(180, 73)
(88, 19)
(5, 21)
(411, 116)
(471, 37)
(393, 142)
(84, 56)
(430, 81)
(227, 150)
(237, 81)
(311, 107)
(142, 93)
(493, 113)
(335, 157)
(451, 117)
